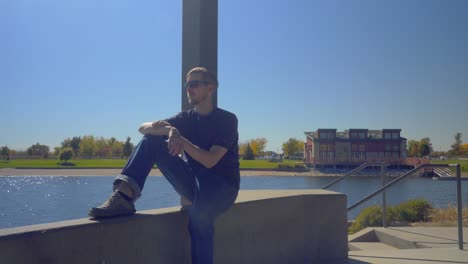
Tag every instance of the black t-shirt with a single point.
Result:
(217, 128)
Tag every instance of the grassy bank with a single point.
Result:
(463, 163)
(118, 163)
(416, 212)
(445, 217)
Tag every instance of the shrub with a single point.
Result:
(372, 216)
(299, 166)
(355, 227)
(66, 163)
(284, 166)
(417, 210)
(66, 154)
(410, 211)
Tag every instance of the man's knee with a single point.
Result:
(199, 218)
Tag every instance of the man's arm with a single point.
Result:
(178, 144)
(207, 158)
(158, 128)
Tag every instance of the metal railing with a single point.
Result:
(392, 183)
(354, 171)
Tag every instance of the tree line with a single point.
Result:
(88, 147)
(423, 148)
(85, 147)
(252, 148)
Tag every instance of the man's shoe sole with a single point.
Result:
(98, 213)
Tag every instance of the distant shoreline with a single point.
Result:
(154, 172)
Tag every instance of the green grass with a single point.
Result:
(264, 164)
(463, 163)
(109, 163)
(249, 164)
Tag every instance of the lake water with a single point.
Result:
(35, 200)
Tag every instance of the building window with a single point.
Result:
(362, 147)
(395, 135)
(362, 135)
(326, 147)
(388, 135)
(388, 148)
(396, 148)
(327, 135)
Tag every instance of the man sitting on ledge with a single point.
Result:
(209, 179)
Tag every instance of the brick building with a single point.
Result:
(354, 146)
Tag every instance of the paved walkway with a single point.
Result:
(438, 245)
(410, 256)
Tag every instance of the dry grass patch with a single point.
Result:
(445, 217)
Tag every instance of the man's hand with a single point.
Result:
(176, 142)
(160, 123)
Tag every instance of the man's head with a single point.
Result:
(200, 85)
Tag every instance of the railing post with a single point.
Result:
(459, 209)
(384, 198)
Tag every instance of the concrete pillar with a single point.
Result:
(199, 39)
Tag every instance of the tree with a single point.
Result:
(57, 151)
(292, 147)
(102, 148)
(117, 149)
(66, 154)
(39, 150)
(88, 146)
(421, 148)
(258, 145)
(425, 147)
(464, 149)
(413, 148)
(75, 145)
(66, 143)
(242, 148)
(248, 155)
(457, 144)
(127, 148)
(6, 152)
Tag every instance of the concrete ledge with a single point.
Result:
(302, 226)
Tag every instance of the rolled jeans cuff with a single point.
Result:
(131, 182)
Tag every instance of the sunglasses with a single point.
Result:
(195, 84)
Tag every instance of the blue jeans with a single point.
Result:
(210, 194)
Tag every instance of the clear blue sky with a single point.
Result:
(74, 68)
